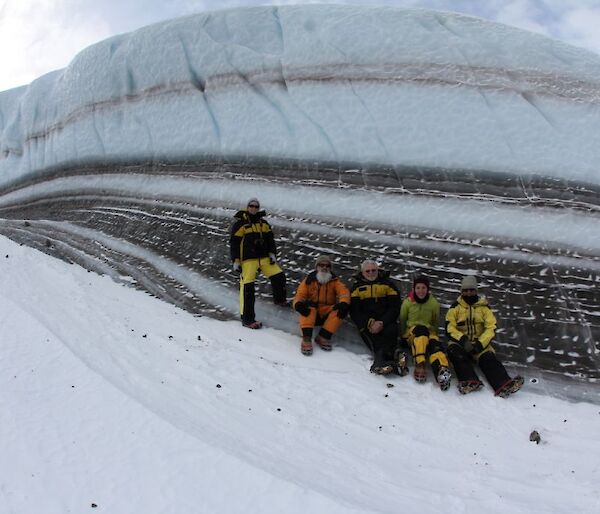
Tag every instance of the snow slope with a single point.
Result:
(114, 398)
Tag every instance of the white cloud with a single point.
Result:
(42, 35)
(38, 36)
(581, 27)
(524, 14)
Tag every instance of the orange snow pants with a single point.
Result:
(323, 315)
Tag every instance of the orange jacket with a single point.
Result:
(330, 293)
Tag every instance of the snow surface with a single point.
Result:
(110, 397)
(329, 83)
(114, 398)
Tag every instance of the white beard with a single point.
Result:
(323, 277)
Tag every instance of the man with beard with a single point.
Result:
(471, 326)
(252, 247)
(374, 308)
(322, 300)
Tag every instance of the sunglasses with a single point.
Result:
(469, 290)
(326, 266)
(374, 270)
(253, 206)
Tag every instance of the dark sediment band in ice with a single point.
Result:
(165, 229)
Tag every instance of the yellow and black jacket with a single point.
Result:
(376, 300)
(251, 237)
(476, 321)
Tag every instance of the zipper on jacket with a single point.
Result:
(471, 324)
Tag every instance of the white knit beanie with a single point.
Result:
(468, 282)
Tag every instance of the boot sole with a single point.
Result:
(383, 370)
(420, 375)
(253, 326)
(403, 371)
(444, 379)
(325, 346)
(512, 387)
(470, 387)
(306, 350)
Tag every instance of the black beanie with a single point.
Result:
(421, 280)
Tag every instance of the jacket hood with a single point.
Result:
(412, 297)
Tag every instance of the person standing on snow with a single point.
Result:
(419, 318)
(252, 247)
(374, 309)
(471, 326)
(322, 300)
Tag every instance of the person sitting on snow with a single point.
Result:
(322, 300)
(252, 247)
(374, 309)
(419, 317)
(471, 326)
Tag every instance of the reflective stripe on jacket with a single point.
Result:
(376, 300)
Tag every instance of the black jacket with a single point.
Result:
(251, 237)
(376, 300)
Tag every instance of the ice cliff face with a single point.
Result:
(438, 143)
(329, 83)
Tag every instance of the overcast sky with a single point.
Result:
(38, 36)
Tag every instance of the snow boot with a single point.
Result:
(443, 378)
(469, 386)
(420, 373)
(324, 343)
(382, 369)
(252, 324)
(510, 387)
(401, 362)
(306, 346)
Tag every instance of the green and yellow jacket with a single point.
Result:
(414, 312)
(251, 237)
(476, 321)
(372, 301)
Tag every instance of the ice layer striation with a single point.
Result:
(435, 142)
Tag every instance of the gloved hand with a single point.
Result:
(478, 346)
(466, 344)
(237, 267)
(303, 307)
(273, 258)
(342, 309)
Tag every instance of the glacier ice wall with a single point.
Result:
(333, 83)
(435, 142)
